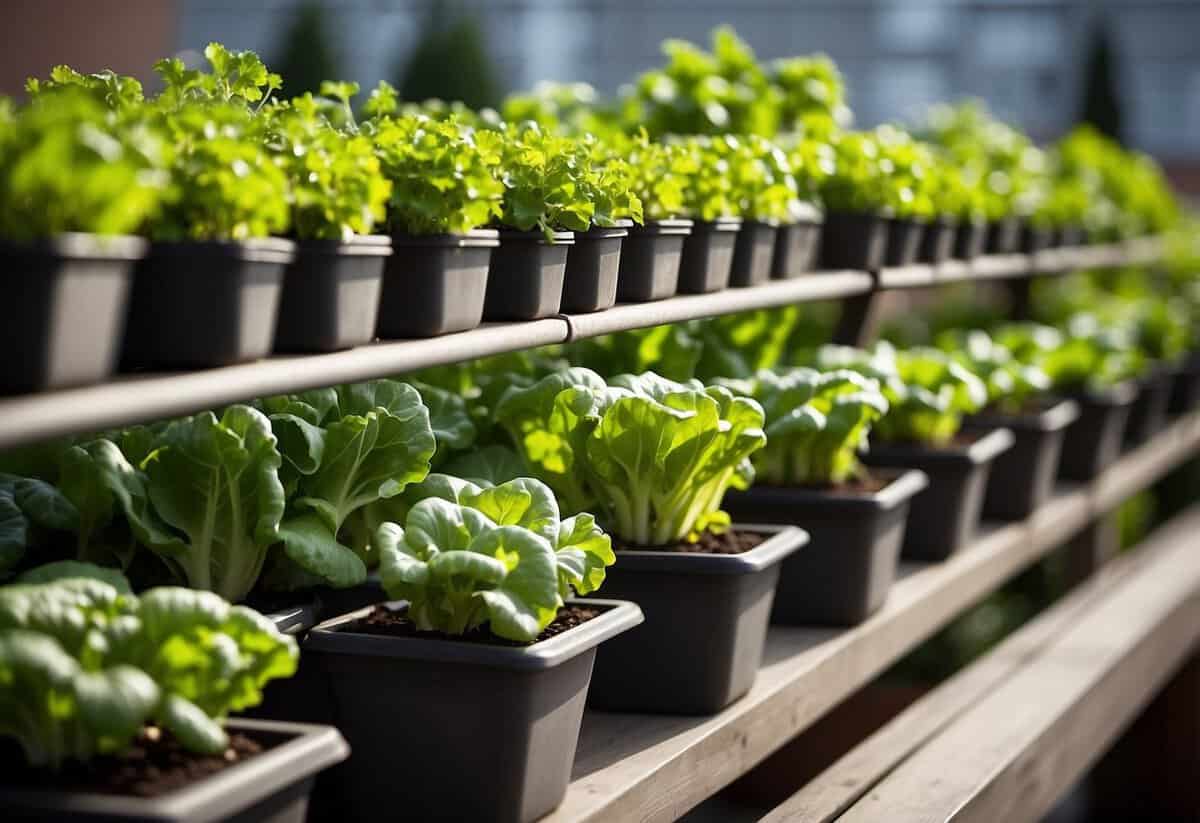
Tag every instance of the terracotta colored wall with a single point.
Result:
(124, 35)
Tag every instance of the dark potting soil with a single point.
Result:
(729, 542)
(395, 623)
(155, 764)
(867, 482)
(960, 441)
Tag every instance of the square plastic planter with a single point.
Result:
(199, 304)
(1034, 239)
(331, 294)
(1185, 386)
(526, 278)
(706, 623)
(650, 261)
(945, 517)
(435, 284)
(853, 241)
(1148, 415)
(487, 731)
(1003, 236)
(797, 246)
(969, 239)
(1022, 478)
(752, 254)
(903, 241)
(64, 309)
(273, 785)
(844, 575)
(708, 255)
(592, 265)
(937, 241)
(1093, 442)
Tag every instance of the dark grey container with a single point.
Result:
(272, 786)
(1185, 387)
(1003, 236)
(852, 240)
(1034, 239)
(526, 279)
(707, 260)
(752, 254)
(903, 241)
(1071, 236)
(650, 261)
(484, 732)
(199, 304)
(65, 301)
(590, 282)
(1093, 441)
(843, 576)
(945, 517)
(969, 239)
(331, 294)
(706, 623)
(1148, 415)
(797, 247)
(1022, 478)
(937, 241)
(435, 284)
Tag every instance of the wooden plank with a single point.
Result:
(844, 782)
(652, 768)
(1019, 749)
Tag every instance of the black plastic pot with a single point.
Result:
(331, 294)
(1185, 388)
(708, 255)
(944, 518)
(483, 732)
(1148, 415)
(590, 282)
(435, 284)
(937, 241)
(201, 304)
(796, 248)
(752, 254)
(273, 785)
(1071, 236)
(1003, 236)
(903, 241)
(1022, 478)
(526, 278)
(64, 312)
(1093, 442)
(1034, 239)
(706, 623)
(969, 239)
(853, 241)
(844, 575)
(650, 259)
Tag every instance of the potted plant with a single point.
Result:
(653, 458)
(77, 178)
(958, 226)
(1022, 478)
(809, 474)
(485, 574)
(594, 261)
(118, 704)
(338, 195)
(709, 200)
(1161, 331)
(444, 189)
(769, 197)
(797, 244)
(854, 235)
(928, 395)
(908, 186)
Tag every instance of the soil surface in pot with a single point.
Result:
(394, 623)
(729, 542)
(958, 442)
(154, 765)
(866, 483)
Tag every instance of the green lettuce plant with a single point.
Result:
(1087, 356)
(857, 181)
(812, 94)
(1011, 385)
(547, 180)
(84, 667)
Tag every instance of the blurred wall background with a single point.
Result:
(1029, 59)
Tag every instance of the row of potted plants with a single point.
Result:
(211, 224)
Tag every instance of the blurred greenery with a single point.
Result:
(450, 61)
(306, 55)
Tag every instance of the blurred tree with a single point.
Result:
(306, 55)
(1101, 103)
(450, 61)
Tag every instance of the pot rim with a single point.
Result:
(82, 246)
(906, 484)
(475, 238)
(254, 249)
(620, 616)
(1121, 394)
(784, 540)
(720, 224)
(1053, 418)
(668, 226)
(219, 796)
(983, 449)
(561, 238)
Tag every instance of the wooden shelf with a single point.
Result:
(651, 768)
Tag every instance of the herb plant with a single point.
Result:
(1011, 385)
